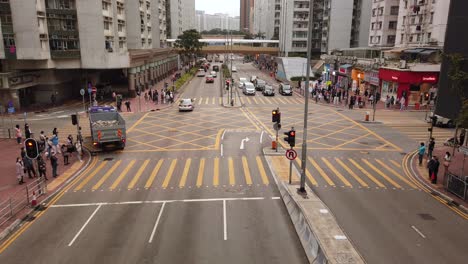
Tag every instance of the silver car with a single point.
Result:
(186, 104)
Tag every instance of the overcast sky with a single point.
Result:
(231, 7)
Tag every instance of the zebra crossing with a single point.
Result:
(180, 173)
(253, 100)
(420, 133)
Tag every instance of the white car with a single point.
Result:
(242, 80)
(201, 73)
(186, 104)
(214, 74)
(234, 69)
(249, 88)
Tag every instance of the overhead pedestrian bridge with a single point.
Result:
(244, 46)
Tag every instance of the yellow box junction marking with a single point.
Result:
(396, 174)
(337, 173)
(201, 170)
(183, 180)
(150, 180)
(122, 175)
(381, 173)
(104, 178)
(321, 172)
(90, 176)
(395, 163)
(169, 174)
(367, 173)
(138, 175)
(308, 175)
(363, 183)
(262, 171)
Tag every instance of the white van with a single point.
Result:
(249, 88)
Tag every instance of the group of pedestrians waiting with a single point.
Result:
(49, 149)
(433, 162)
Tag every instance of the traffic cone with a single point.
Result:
(34, 199)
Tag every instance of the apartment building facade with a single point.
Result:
(247, 15)
(264, 10)
(422, 23)
(59, 46)
(383, 24)
(181, 17)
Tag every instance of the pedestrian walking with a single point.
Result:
(18, 134)
(156, 96)
(402, 103)
(421, 152)
(146, 97)
(171, 97)
(19, 170)
(447, 159)
(79, 150)
(462, 137)
(42, 167)
(387, 102)
(434, 169)
(55, 142)
(162, 96)
(392, 101)
(65, 154)
(27, 131)
(53, 162)
(430, 147)
(127, 104)
(42, 141)
(28, 165)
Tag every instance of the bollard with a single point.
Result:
(273, 144)
(367, 116)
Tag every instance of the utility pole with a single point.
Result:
(306, 104)
(232, 99)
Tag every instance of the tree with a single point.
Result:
(459, 80)
(189, 43)
(248, 35)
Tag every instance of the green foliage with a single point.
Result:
(189, 42)
(459, 80)
(218, 31)
(184, 78)
(462, 119)
(226, 71)
(248, 36)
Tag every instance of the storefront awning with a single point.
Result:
(346, 66)
(318, 66)
(428, 52)
(413, 51)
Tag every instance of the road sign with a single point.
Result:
(82, 92)
(291, 154)
(90, 90)
(94, 89)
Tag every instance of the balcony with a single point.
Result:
(61, 11)
(10, 55)
(7, 29)
(65, 54)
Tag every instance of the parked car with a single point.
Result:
(440, 120)
(285, 89)
(209, 79)
(260, 85)
(234, 69)
(186, 104)
(201, 73)
(242, 80)
(268, 90)
(248, 89)
(214, 74)
(216, 68)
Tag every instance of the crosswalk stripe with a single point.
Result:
(321, 172)
(138, 175)
(213, 101)
(169, 173)
(122, 175)
(261, 100)
(220, 100)
(308, 175)
(267, 100)
(255, 99)
(200, 100)
(381, 173)
(367, 173)
(337, 173)
(262, 171)
(150, 180)
(281, 100)
(248, 100)
(104, 178)
(363, 183)
(232, 179)
(216, 172)
(395, 163)
(90, 176)
(183, 179)
(207, 100)
(201, 170)
(248, 178)
(396, 174)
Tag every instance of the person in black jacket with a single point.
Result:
(433, 168)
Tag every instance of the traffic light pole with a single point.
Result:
(290, 170)
(306, 104)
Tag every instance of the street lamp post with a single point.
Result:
(306, 104)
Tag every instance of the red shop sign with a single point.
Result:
(429, 79)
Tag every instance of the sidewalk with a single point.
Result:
(456, 166)
(9, 186)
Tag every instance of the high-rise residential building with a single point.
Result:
(60, 46)
(264, 10)
(181, 17)
(345, 24)
(277, 19)
(383, 24)
(207, 22)
(200, 20)
(422, 23)
(246, 15)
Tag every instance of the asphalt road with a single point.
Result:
(190, 187)
(357, 170)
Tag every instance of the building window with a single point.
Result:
(380, 25)
(413, 20)
(107, 25)
(150, 41)
(143, 42)
(392, 25)
(371, 39)
(120, 10)
(377, 40)
(60, 4)
(418, 37)
(411, 38)
(429, 35)
(106, 5)
(374, 11)
(394, 10)
(62, 42)
(5, 19)
(391, 39)
(8, 40)
(401, 39)
(380, 11)
(121, 25)
(431, 19)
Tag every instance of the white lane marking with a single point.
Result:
(261, 137)
(85, 224)
(419, 232)
(156, 224)
(243, 142)
(167, 201)
(224, 132)
(222, 150)
(224, 220)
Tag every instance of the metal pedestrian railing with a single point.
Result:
(22, 199)
(457, 185)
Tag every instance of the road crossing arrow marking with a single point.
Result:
(243, 142)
